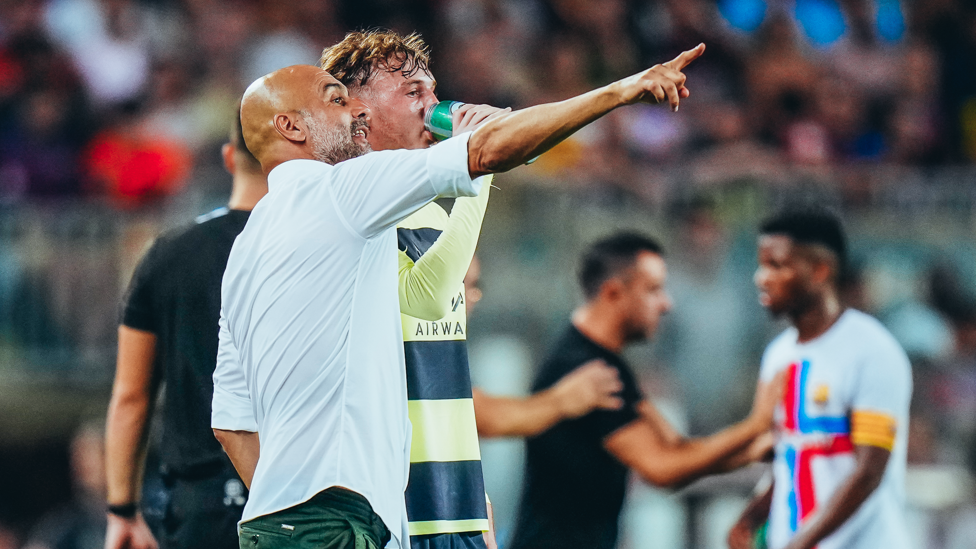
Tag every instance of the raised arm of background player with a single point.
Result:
(428, 286)
(871, 462)
(512, 139)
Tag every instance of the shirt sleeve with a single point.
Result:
(427, 286)
(138, 310)
(773, 357)
(882, 396)
(232, 410)
(378, 190)
(601, 423)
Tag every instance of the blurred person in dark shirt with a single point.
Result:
(168, 333)
(576, 472)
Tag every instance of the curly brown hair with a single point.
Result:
(360, 54)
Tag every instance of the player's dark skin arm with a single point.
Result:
(742, 535)
(663, 457)
(126, 432)
(243, 448)
(868, 472)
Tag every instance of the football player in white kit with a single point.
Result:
(839, 467)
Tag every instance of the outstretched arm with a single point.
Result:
(125, 436)
(428, 285)
(511, 139)
(652, 448)
(760, 449)
(867, 475)
(593, 385)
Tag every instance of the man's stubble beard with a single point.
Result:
(334, 144)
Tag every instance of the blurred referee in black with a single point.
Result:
(168, 333)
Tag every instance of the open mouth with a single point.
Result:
(360, 131)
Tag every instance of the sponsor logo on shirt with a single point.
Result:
(821, 394)
(452, 327)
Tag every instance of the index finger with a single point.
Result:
(685, 58)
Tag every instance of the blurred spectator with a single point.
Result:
(277, 40)
(81, 523)
(779, 78)
(948, 391)
(728, 152)
(42, 120)
(605, 27)
(112, 43)
(898, 293)
(133, 167)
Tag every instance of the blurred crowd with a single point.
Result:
(126, 98)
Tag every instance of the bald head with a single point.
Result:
(302, 112)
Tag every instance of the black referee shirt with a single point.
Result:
(574, 488)
(175, 294)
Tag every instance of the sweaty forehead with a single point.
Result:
(395, 80)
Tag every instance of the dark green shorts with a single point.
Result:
(334, 518)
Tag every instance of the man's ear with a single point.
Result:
(227, 153)
(288, 126)
(612, 289)
(823, 271)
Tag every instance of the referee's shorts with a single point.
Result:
(202, 508)
(462, 540)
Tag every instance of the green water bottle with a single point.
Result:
(439, 120)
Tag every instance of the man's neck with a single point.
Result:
(599, 326)
(247, 190)
(815, 320)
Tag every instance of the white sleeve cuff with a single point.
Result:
(447, 167)
(231, 413)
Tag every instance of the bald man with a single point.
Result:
(311, 353)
